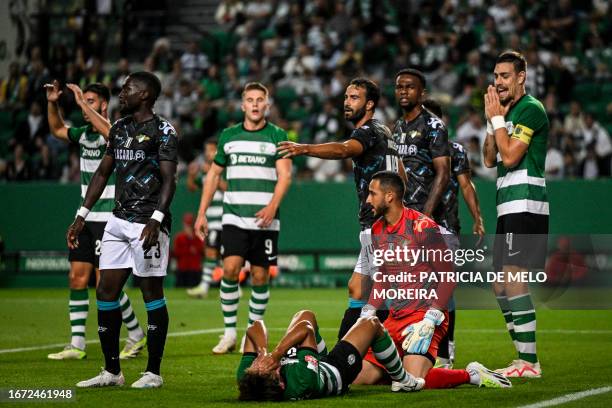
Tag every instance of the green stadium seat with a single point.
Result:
(587, 92)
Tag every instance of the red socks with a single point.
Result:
(445, 378)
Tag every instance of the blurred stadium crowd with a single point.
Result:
(307, 51)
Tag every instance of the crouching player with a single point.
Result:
(416, 325)
(300, 367)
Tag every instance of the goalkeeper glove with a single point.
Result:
(368, 311)
(418, 335)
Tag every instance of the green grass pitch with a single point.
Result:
(574, 348)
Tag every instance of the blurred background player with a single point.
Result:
(212, 243)
(449, 220)
(416, 326)
(372, 149)
(188, 250)
(516, 142)
(142, 147)
(91, 140)
(257, 180)
(300, 367)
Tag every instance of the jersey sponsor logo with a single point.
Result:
(129, 155)
(142, 138)
(93, 153)
(414, 133)
(407, 150)
(246, 159)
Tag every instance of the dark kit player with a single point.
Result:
(142, 149)
(422, 143)
(372, 149)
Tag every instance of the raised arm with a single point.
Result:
(333, 150)
(99, 122)
(56, 122)
(511, 150)
(442, 168)
(300, 334)
(283, 174)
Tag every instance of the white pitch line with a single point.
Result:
(569, 398)
(326, 329)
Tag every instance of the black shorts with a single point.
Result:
(260, 248)
(521, 240)
(347, 359)
(90, 242)
(213, 239)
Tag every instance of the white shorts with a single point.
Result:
(122, 248)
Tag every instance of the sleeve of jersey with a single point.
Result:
(463, 163)
(74, 134)
(364, 137)
(168, 142)
(438, 142)
(528, 121)
(245, 362)
(220, 157)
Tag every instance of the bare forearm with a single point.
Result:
(281, 188)
(439, 186)
(489, 151)
(168, 187)
(296, 335)
(257, 334)
(208, 191)
(333, 151)
(96, 187)
(56, 123)
(99, 122)
(471, 199)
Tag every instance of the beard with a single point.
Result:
(356, 116)
(380, 210)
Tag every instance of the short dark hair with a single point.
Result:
(433, 106)
(414, 72)
(390, 181)
(255, 85)
(516, 58)
(372, 90)
(99, 89)
(256, 387)
(151, 81)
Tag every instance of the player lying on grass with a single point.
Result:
(300, 367)
(416, 326)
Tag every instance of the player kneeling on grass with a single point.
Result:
(416, 326)
(300, 367)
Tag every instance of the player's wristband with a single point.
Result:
(158, 216)
(83, 212)
(490, 129)
(498, 122)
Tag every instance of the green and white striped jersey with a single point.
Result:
(523, 187)
(249, 158)
(92, 147)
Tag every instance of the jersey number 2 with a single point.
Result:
(156, 254)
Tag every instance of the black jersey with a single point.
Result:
(379, 153)
(137, 149)
(418, 143)
(449, 218)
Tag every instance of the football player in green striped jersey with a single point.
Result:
(300, 367)
(517, 136)
(91, 140)
(257, 180)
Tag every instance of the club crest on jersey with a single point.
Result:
(142, 138)
(435, 122)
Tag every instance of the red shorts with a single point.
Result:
(395, 327)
